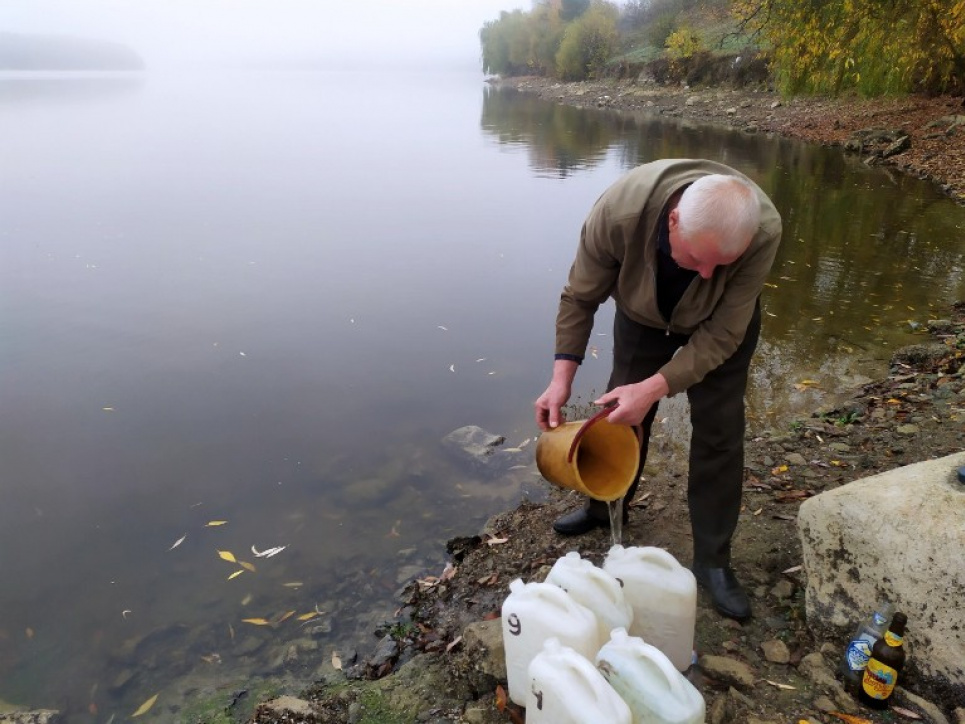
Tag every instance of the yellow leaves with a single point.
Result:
(235, 575)
(215, 523)
(307, 616)
(247, 566)
(227, 556)
(780, 469)
(257, 621)
(146, 706)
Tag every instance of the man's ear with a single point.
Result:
(673, 219)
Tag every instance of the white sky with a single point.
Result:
(355, 32)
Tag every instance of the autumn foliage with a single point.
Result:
(873, 46)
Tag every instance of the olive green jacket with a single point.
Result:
(617, 257)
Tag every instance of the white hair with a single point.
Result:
(726, 207)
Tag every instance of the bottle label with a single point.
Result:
(879, 680)
(858, 653)
(892, 639)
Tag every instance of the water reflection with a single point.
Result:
(864, 250)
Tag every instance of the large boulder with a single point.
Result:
(895, 536)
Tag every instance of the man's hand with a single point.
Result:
(633, 402)
(548, 413)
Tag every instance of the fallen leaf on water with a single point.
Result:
(907, 713)
(126, 612)
(231, 632)
(850, 719)
(146, 706)
(227, 556)
(268, 552)
(214, 523)
(178, 542)
(235, 574)
(453, 644)
(246, 600)
(444, 329)
(247, 566)
(256, 621)
(285, 616)
(336, 661)
(29, 632)
(779, 685)
(293, 584)
(500, 698)
(307, 616)
(452, 368)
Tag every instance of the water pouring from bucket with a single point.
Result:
(593, 457)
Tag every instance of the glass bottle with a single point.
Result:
(887, 659)
(858, 650)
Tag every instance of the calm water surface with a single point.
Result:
(264, 299)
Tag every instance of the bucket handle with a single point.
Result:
(593, 420)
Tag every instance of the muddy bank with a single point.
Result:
(918, 135)
(434, 664)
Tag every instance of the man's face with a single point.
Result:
(701, 253)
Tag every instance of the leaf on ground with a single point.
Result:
(907, 713)
(178, 542)
(215, 523)
(500, 698)
(494, 541)
(336, 661)
(227, 556)
(453, 644)
(448, 572)
(849, 718)
(781, 686)
(792, 569)
(146, 706)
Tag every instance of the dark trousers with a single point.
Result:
(716, 474)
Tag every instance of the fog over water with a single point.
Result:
(342, 34)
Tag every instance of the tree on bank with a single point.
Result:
(814, 46)
(873, 46)
(571, 39)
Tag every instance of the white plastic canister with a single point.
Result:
(533, 613)
(646, 680)
(594, 588)
(566, 688)
(663, 595)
